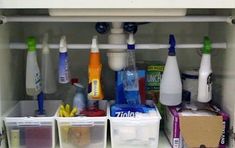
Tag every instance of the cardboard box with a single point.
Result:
(185, 127)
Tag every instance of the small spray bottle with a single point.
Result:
(64, 77)
(205, 74)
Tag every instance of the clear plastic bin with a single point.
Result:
(139, 132)
(83, 132)
(24, 130)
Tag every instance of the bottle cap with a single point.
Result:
(45, 48)
(171, 50)
(94, 46)
(206, 46)
(131, 41)
(74, 80)
(31, 42)
(63, 44)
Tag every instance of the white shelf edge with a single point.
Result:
(199, 19)
(115, 4)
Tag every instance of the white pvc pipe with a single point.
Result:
(8, 19)
(111, 46)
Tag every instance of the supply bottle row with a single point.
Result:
(33, 82)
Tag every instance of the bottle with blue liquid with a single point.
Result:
(130, 77)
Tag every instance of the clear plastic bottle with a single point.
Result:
(48, 75)
(79, 100)
(130, 78)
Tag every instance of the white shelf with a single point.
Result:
(115, 4)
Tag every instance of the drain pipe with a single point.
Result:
(117, 57)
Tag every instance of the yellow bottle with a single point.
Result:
(94, 71)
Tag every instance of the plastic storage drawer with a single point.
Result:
(139, 132)
(83, 132)
(24, 130)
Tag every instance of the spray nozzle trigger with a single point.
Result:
(63, 44)
(172, 43)
(31, 42)
(206, 45)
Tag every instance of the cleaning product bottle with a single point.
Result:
(79, 100)
(94, 71)
(63, 62)
(67, 91)
(48, 75)
(171, 86)
(130, 78)
(205, 73)
(33, 80)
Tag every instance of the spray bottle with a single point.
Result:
(171, 86)
(94, 73)
(33, 79)
(48, 76)
(130, 78)
(205, 74)
(63, 62)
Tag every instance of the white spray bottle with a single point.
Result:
(171, 85)
(33, 79)
(205, 74)
(48, 75)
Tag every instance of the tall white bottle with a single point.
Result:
(205, 74)
(33, 79)
(171, 85)
(48, 74)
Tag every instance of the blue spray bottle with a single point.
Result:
(63, 62)
(130, 78)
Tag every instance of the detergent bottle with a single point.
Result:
(205, 74)
(94, 73)
(33, 78)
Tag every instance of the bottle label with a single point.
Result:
(153, 79)
(125, 114)
(37, 80)
(63, 68)
(209, 82)
(95, 85)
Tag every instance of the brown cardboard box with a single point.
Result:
(192, 125)
(201, 130)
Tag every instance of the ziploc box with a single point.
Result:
(120, 96)
(209, 125)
